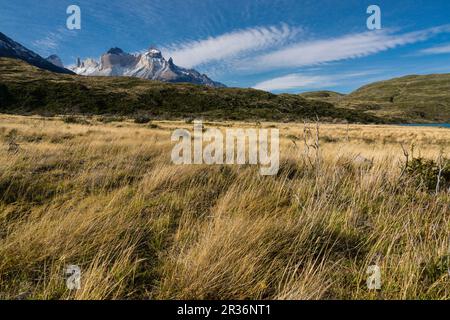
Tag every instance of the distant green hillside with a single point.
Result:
(327, 96)
(412, 98)
(25, 89)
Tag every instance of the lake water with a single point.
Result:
(441, 125)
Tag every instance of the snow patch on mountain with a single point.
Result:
(149, 65)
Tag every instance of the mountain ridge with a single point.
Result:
(56, 60)
(25, 89)
(12, 49)
(150, 65)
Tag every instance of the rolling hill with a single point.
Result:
(25, 89)
(410, 99)
(327, 96)
(416, 98)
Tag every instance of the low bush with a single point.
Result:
(110, 119)
(427, 172)
(74, 120)
(142, 119)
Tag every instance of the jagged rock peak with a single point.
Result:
(115, 51)
(12, 49)
(149, 65)
(55, 60)
(154, 53)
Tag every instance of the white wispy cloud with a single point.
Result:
(335, 49)
(270, 48)
(229, 45)
(294, 81)
(302, 81)
(51, 42)
(436, 50)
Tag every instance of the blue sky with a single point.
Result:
(274, 45)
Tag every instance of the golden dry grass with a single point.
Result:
(107, 198)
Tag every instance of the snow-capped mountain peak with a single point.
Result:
(154, 53)
(148, 65)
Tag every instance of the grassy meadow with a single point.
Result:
(102, 194)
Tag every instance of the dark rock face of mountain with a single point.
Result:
(11, 49)
(150, 65)
(55, 60)
(115, 51)
(115, 62)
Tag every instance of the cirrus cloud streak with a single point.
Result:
(335, 49)
(302, 81)
(437, 50)
(230, 45)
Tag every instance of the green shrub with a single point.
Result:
(328, 139)
(110, 119)
(74, 120)
(425, 172)
(142, 119)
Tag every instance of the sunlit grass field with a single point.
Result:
(105, 196)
